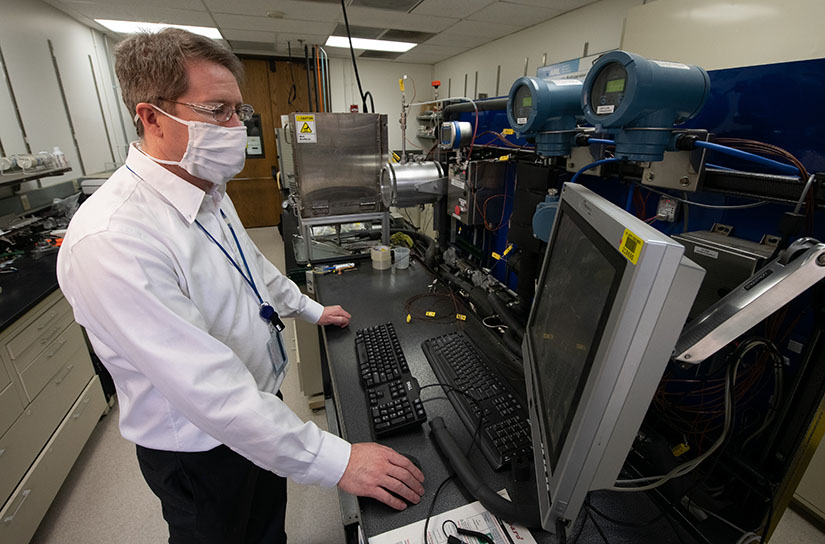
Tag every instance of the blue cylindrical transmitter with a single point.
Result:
(547, 112)
(639, 100)
(455, 134)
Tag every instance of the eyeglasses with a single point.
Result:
(221, 113)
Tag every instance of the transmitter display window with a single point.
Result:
(607, 91)
(522, 105)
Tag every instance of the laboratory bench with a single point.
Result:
(50, 396)
(379, 296)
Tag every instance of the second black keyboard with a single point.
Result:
(392, 391)
(505, 430)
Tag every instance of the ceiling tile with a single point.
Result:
(408, 36)
(483, 28)
(369, 32)
(385, 55)
(393, 5)
(195, 5)
(515, 14)
(387, 19)
(453, 8)
(248, 35)
(430, 54)
(149, 14)
(244, 22)
(307, 10)
(563, 5)
(458, 40)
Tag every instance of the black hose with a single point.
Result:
(352, 52)
(315, 80)
(452, 111)
(430, 252)
(507, 317)
(478, 296)
(309, 86)
(524, 514)
(511, 342)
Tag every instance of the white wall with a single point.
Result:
(381, 79)
(25, 27)
(717, 34)
(562, 38)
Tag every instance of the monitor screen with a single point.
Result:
(574, 300)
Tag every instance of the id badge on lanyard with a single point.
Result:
(277, 353)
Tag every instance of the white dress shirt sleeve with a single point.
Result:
(286, 296)
(126, 290)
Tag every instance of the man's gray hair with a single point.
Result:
(152, 66)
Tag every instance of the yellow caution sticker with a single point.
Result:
(409, 318)
(631, 246)
(680, 449)
(306, 129)
(461, 317)
(430, 314)
(401, 84)
(504, 158)
(508, 131)
(508, 250)
(495, 256)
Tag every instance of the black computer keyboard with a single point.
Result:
(392, 392)
(505, 430)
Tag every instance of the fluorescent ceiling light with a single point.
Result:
(129, 27)
(371, 45)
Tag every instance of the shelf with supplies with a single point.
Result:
(30, 175)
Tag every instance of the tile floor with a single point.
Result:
(105, 500)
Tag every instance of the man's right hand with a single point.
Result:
(374, 470)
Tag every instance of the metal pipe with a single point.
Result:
(102, 113)
(324, 76)
(66, 107)
(309, 86)
(14, 103)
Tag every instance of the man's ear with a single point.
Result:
(149, 117)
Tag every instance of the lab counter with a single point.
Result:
(34, 280)
(380, 296)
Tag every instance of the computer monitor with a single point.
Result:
(612, 297)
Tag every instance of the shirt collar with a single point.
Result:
(182, 195)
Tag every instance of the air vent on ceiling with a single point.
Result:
(358, 31)
(393, 5)
(252, 46)
(389, 55)
(406, 36)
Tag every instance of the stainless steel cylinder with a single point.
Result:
(412, 183)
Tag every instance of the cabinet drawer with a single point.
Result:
(51, 359)
(26, 344)
(25, 509)
(26, 437)
(10, 408)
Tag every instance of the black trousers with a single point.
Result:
(216, 497)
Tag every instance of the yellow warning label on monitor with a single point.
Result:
(430, 314)
(303, 118)
(631, 246)
(508, 131)
(496, 256)
(461, 317)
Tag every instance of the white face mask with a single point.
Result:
(215, 153)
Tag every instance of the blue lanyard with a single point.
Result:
(267, 312)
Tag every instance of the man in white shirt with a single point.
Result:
(185, 312)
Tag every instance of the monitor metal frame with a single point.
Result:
(648, 312)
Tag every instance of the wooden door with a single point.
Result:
(266, 87)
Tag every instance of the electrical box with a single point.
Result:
(728, 261)
(476, 191)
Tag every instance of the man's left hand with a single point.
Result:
(334, 315)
